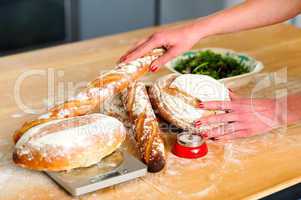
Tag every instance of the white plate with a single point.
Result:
(253, 65)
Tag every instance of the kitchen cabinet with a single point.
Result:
(100, 17)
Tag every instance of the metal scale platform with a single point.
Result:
(116, 168)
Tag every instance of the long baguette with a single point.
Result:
(145, 125)
(96, 92)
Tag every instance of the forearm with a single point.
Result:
(248, 15)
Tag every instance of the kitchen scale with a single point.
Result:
(116, 168)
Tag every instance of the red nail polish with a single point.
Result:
(205, 135)
(201, 105)
(121, 60)
(154, 68)
(197, 124)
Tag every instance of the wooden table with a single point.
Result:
(245, 168)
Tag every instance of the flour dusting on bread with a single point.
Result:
(202, 87)
(142, 103)
(180, 109)
(145, 126)
(69, 143)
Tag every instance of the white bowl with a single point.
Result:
(253, 65)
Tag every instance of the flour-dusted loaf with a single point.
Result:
(145, 126)
(69, 143)
(176, 97)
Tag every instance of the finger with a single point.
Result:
(225, 129)
(133, 48)
(220, 105)
(151, 43)
(233, 96)
(220, 118)
(236, 105)
(237, 134)
(255, 102)
(171, 53)
(137, 44)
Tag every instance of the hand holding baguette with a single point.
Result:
(98, 90)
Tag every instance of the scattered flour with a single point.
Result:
(17, 115)
(204, 192)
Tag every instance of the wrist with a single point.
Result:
(203, 27)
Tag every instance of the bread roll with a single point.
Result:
(145, 126)
(176, 97)
(69, 143)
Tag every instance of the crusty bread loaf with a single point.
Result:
(104, 87)
(176, 97)
(69, 143)
(146, 127)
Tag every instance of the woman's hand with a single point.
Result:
(175, 40)
(243, 117)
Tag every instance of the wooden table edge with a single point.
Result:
(276, 188)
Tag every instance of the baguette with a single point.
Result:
(145, 126)
(96, 92)
(69, 143)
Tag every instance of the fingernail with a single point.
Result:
(205, 135)
(120, 60)
(197, 123)
(201, 105)
(153, 68)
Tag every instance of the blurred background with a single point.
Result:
(32, 24)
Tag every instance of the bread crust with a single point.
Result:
(145, 126)
(69, 143)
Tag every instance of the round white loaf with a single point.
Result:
(174, 109)
(69, 143)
